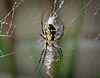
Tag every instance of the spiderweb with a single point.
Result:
(28, 44)
(10, 27)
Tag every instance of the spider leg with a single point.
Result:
(40, 57)
(43, 57)
(58, 49)
(62, 29)
(58, 37)
(61, 52)
(43, 36)
(42, 22)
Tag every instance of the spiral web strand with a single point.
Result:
(11, 27)
(86, 62)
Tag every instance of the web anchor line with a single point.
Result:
(2, 55)
(11, 27)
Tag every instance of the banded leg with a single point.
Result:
(58, 49)
(43, 57)
(58, 37)
(43, 36)
(62, 29)
(40, 58)
(42, 22)
(61, 52)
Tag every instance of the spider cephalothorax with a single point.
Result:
(50, 36)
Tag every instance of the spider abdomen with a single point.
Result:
(50, 32)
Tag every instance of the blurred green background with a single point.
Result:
(80, 44)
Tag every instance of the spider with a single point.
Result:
(50, 35)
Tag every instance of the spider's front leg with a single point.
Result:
(45, 47)
(58, 49)
(44, 56)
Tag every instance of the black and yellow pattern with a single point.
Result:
(50, 32)
(50, 35)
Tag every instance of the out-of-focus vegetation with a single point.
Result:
(80, 43)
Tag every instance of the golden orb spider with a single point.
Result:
(50, 36)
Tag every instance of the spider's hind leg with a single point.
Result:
(59, 37)
(62, 29)
(42, 22)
